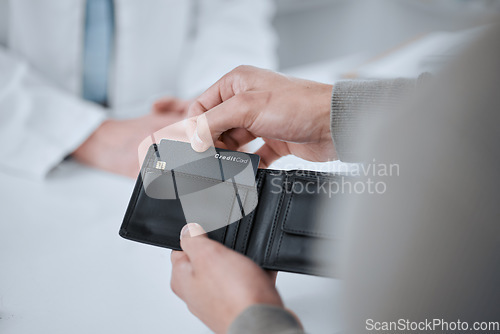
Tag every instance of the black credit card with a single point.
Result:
(215, 163)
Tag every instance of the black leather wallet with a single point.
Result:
(287, 230)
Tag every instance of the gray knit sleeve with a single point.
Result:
(353, 102)
(265, 319)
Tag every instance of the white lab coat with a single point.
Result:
(162, 47)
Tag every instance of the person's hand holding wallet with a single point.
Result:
(281, 231)
(216, 283)
(293, 117)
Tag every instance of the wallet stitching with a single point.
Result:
(237, 228)
(235, 233)
(282, 233)
(277, 212)
(252, 215)
(247, 231)
(230, 210)
(244, 246)
(224, 235)
(308, 233)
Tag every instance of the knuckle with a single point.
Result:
(195, 108)
(246, 100)
(243, 72)
(242, 68)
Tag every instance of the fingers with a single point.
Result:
(240, 111)
(236, 138)
(192, 230)
(183, 262)
(271, 151)
(213, 96)
(273, 275)
(225, 88)
(181, 273)
(194, 241)
(178, 257)
(189, 231)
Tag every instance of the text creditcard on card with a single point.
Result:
(215, 163)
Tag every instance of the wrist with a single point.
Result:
(324, 108)
(323, 116)
(92, 146)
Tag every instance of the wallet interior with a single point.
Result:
(284, 232)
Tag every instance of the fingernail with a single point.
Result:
(196, 140)
(197, 144)
(191, 230)
(185, 231)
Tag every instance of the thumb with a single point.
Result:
(193, 240)
(237, 112)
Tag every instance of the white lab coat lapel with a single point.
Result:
(48, 34)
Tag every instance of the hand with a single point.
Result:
(114, 145)
(217, 283)
(291, 115)
(171, 105)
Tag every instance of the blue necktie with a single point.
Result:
(99, 26)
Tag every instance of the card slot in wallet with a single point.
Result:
(303, 238)
(210, 203)
(153, 221)
(265, 217)
(164, 201)
(245, 225)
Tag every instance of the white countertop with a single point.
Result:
(65, 269)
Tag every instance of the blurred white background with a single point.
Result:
(318, 30)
